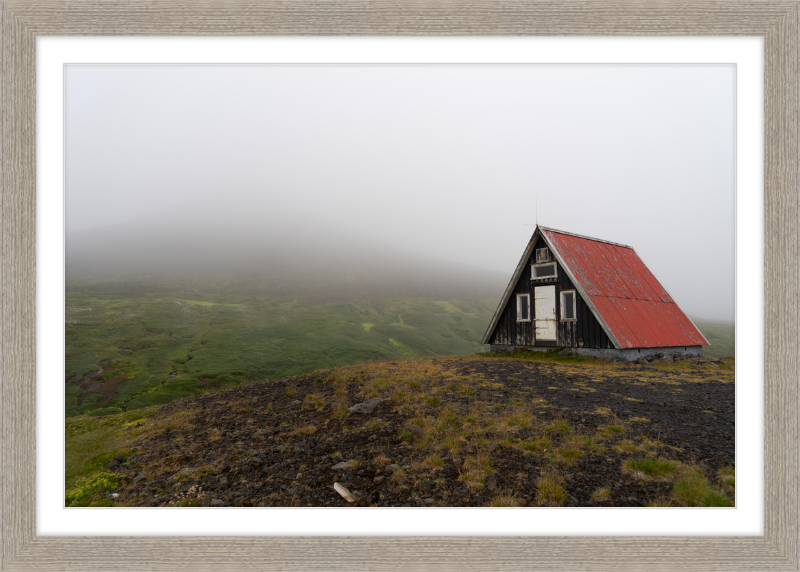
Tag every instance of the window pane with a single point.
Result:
(568, 309)
(549, 270)
(523, 304)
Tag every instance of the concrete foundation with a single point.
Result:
(633, 354)
(630, 354)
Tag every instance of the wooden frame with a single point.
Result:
(519, 307)
(537, 279)
(574, 317)
(23, 20)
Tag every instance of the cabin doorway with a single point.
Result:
(545, 307)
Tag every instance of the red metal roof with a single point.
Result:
(626, 296)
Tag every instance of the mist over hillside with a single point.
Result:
(255, 257)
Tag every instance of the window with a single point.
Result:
(542, 255)
(568, 303)
(544, 271)
(523, 307)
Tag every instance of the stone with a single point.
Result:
(378, 480)
(216, 502)
(414, 430)
(183, 471)
(392, 468)
(119, 458)
(138, 478)
(365, 407)
(346, 495)
(342, 466)
(112, 464)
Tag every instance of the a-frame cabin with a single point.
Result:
(596, 296)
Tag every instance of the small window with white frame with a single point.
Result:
(542, 255)
(523, 307)
(546, 271)
(568, 306)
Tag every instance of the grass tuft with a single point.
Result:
(550, 490)
(475, 470)
(307, 430)
(601, 495)
(504, 501)
(651, 469)
(559, 426)
(315, 400)
(695, 490)
(433, 461)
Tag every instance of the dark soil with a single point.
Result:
(239, 447)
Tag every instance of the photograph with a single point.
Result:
(400, 285)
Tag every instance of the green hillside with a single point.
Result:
(157, 347)
(153, 348)
(721, 337)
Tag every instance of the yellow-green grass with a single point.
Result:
(504, 501)
(691, 486)
(91, 442)
(651, 469)
(92, 490)
(550, 490)
(694, 489)
(475, 470)
(727, 475)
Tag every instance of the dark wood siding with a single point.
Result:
(585, 329)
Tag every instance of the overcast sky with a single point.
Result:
(441, 160)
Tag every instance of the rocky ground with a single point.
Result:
(472, 431)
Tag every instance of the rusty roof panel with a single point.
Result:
(613, 260)
(637, 310)
(616, 322)
(637, 268)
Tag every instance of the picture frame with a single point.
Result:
(24, 20)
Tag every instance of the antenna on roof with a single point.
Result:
(536, 212)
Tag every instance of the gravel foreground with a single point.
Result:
(471, 431)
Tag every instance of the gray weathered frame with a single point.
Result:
(23, 20)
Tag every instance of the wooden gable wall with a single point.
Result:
(510, 332)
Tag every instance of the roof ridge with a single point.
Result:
(584, 236)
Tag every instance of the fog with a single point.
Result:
(244, 258)
(409, 178)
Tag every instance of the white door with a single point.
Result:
(545, 303)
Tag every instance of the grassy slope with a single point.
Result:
(212, 341)
(429, 390)
(720, 335)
